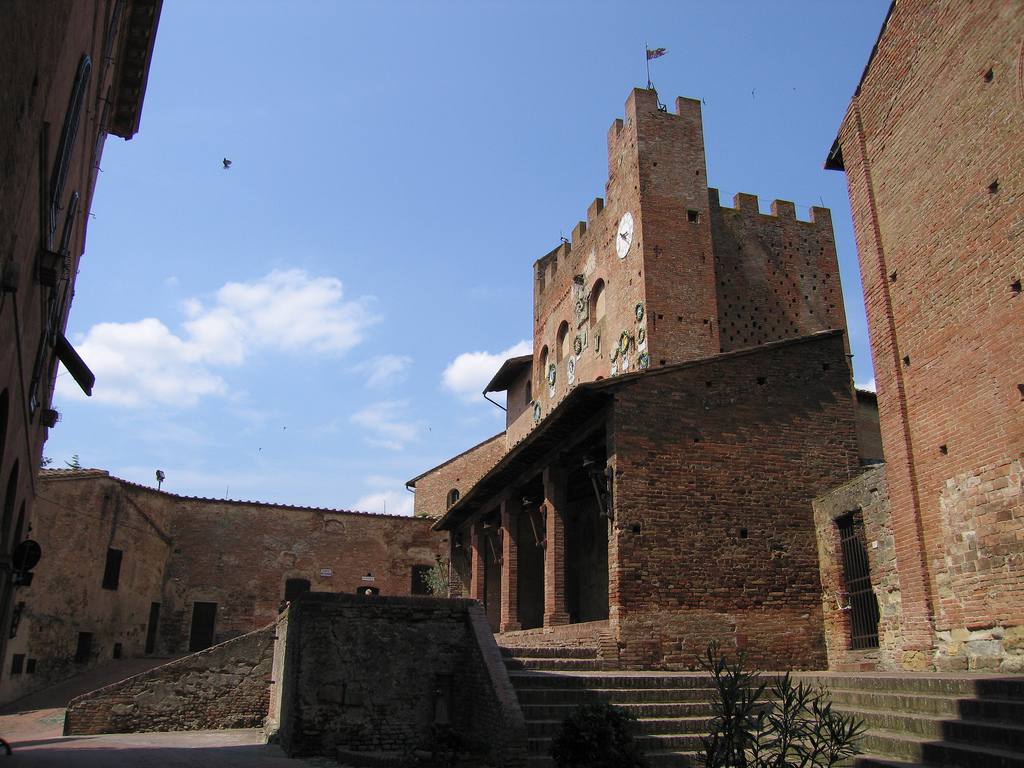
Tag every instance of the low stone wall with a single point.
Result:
(393, 676)
(226, 686)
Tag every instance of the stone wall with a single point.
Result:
(387, 674)
(226, 686)
(866, 496)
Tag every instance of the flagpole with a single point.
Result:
(648, 58)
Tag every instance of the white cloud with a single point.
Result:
(144, 362)
(384, 370)
(388, 424)
(392, 502)
(382, 481)
(869, 385)
(468, 374)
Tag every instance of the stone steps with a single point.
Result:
(672, 711)
(576, 696)
(646, 726)
(540, 652)
(643, 709)
(555, 665)
(928, 720)
(992, 734)
(1007, 710)
(901, 749)
(913, 721)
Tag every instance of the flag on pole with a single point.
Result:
(655, 53)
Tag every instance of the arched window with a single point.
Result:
(529, 393)
(563, 347)
(8, 516)
(543, 364)
(453, 496)
(597, 302)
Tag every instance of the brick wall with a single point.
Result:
(931, 146)
(226, 686)
(777, 277)
(460, 472)
(715, 468)
(389, 674)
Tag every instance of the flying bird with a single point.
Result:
(227, 163)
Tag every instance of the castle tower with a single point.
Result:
(660, 273)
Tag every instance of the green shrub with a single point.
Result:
(597, 736)
(784, 725)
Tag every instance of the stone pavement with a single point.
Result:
(33, 726)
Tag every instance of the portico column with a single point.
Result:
(477, 564)
(554, 553)
(510, 510)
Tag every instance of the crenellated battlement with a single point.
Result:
(643, 101)
(743, 202)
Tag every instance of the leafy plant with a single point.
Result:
(793, 725)
(597, 736)
(436, 578)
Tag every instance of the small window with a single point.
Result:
(118, 650)
(563, 348)
(419, 584)
(17, 663)
(84, 648)
(30, 667)
(112, 572)
(544, 363)
(453, 496)
(529, 393)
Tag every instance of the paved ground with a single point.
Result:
(33, 726)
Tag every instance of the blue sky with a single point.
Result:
(314, 325)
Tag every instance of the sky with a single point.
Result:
(314, 325)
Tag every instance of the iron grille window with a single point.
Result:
(860, 597)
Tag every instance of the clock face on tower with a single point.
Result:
(624, 235)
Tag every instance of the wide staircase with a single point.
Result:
(921, 720)
(672, 709)
(934, 720)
